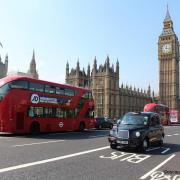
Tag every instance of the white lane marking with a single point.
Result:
(5, 137)
(152, 149)
(167, 149)
(62, 133)
(19, 145)
(157, 167)
(97, 136)
(173, 134)
(51, 160)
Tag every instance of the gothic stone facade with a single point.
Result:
(110, 99)
(168, 55)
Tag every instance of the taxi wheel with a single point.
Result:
(161, 142)
(113, 146)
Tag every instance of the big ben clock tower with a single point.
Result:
(168, 56)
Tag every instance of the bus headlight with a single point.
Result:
(138, 134)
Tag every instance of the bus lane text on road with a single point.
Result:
(129, 157)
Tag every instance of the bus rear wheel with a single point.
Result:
(81, 126)
(35, 128)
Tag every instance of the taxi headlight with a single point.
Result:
(138, 134)
(112, 132)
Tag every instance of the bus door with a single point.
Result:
(71, 121)
(20, 118)
(20, 121)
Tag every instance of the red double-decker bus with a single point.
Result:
(161, 109)
(32, 106)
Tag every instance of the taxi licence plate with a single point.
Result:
(122, 142)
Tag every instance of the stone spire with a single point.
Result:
(149, 90)
(67, 69)
(107, 64)
(95, 65)
(168, 24)
(6, 64)
(112, 67)
(117, 67)
(32, 69)
(6, 58)
(168, 17)
(88, 70)
(77, 68)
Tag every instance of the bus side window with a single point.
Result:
(69, 92)
(30, 112)
(36, 87)
(70, 113)
(59, 91)
(19, 84)
(50, 89)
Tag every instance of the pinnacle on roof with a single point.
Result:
(107, 59)
(117, 62)
(168, 17)
(33, 57)
(67, 63)
(6, 57)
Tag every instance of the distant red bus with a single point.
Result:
(161, 109)
(32, 106)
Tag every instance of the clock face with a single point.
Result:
(166, 48)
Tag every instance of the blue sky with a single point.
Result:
(61, 30)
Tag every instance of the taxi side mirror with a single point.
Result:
(118, 122)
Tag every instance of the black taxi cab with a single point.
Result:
(137, 130)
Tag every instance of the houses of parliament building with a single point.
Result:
(111, 98)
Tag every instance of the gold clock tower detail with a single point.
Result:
(168, 56)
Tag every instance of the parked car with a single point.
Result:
(104, 123)
(137, 130)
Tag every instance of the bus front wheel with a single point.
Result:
(35, 128)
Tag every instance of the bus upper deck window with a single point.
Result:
(69, 92)
(50, 89)
(19, 84)
(36, 87)
(59, 90)
(3, 90)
